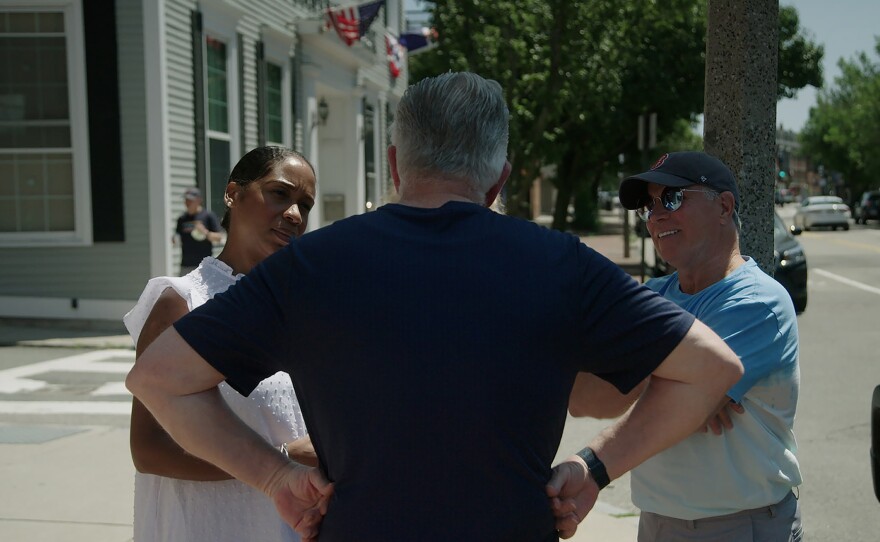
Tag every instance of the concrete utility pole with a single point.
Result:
(742, 40)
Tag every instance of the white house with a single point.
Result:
(109, 110)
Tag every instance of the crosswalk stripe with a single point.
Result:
(19, 379)
(66, 407)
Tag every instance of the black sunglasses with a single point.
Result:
(671, 198)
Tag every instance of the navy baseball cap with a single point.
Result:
(679, 169)
(192, 193)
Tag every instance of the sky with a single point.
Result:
(844, 28)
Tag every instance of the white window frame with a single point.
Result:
(219, 21)
(79, 130)
(277, 49)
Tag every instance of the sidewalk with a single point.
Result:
(610, 243)
(76, 483)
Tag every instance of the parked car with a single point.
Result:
(790, 263)
(868, 207)
(828, 211)
(783, 196)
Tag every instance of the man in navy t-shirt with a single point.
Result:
(433, 345)
(198, 230)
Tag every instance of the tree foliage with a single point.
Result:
(843, 129)
(800, 59)
(577, 75)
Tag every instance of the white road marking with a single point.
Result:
(66, 407)
(25, 379)
(848, 282)
(112, 388)
(16, 379)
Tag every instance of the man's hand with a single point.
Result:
(721, 420)
(301, 495)
(573, 493)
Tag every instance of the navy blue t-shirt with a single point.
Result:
(192, 252)
(433, 352)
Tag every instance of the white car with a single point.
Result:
(828, 211)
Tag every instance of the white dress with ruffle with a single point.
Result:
(172, 510)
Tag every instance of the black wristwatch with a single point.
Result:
(596, 467)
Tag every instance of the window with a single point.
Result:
(274, 105)
(44, 185)
(369, 158)
(218, 129)
(274, 87)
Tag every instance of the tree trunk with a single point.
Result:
(564, 191)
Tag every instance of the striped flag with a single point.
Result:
(395, 55)
(414, 41)
(351, 23)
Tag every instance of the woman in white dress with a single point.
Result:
(179, 497)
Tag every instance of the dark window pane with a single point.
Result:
(33, 215)
(59, 175)
(36, 189)
(52, 61)
(9, 135)
(60, 214)
(53, 102)
(275, 130)
(31, 178)
(8, 216)
(23, 55)
(22, 22)
(50, 22)
(274, 114)
(218, 110)
(369, 157)
(218, 175)
(219, 117)
(40, 136)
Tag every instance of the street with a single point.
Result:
(53, 398)
(64, 460)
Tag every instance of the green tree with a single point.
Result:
(577, 74)
(800, 59)
(843, 129)
(544, 54)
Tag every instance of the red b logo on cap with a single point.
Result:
(660, 161)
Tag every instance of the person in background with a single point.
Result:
(179, 496)
(433, 344)
(733, 481)
(198, 229)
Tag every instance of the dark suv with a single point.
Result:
(868, 207)
(790, 263)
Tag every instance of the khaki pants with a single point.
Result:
(780, 522)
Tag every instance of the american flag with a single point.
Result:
(417, 40)
(351, 23)
(395, 55)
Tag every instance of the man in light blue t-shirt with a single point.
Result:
(734, 480)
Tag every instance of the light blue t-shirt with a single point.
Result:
(753, 464)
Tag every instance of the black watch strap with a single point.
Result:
(596, 467)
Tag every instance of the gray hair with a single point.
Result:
(453, 127)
